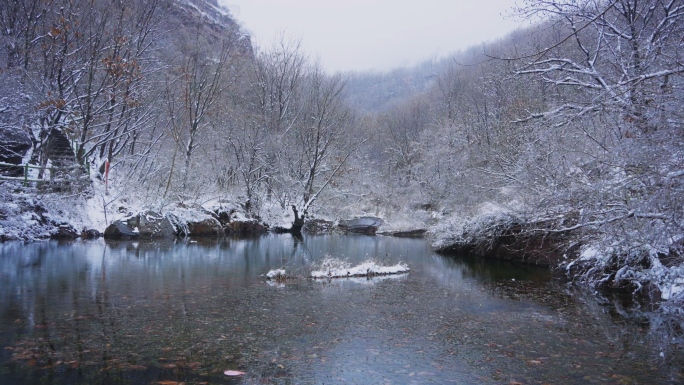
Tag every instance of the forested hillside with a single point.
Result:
(566, 136)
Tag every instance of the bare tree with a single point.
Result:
(404, 125)
(20, 25)
(606, 154)
(624, 53)
(277, 77)
(277, 81)
(82, 64)
(202, 79)
(248, 144)
(317, 147)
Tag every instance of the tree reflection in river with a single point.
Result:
(171, 312)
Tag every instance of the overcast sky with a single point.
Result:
(375, 34)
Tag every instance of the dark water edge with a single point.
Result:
(91, 312)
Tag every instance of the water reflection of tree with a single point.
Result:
(496, 270)
(628, 324)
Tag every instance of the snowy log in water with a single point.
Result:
(336, 268)
(276, 275)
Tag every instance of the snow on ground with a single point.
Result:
(27, 213)
(275, 215)
(672, 289)
(413, 216)
(188, 214)
(400, 225)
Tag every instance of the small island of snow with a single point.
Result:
(336, 268)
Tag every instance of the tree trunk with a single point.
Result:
(298, 223)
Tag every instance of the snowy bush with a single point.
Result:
(637, 267)
(481, 232)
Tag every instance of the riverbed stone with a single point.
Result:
(120, 230)
(318, 226)
(361, 225)
(231, 225)
(64, 232)
(206, 227)
(151, 224)
(90, 234)
(245, 227)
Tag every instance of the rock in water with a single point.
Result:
(362, 225)
(152, 224)
(120, 230)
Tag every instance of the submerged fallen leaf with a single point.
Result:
(233, 373)
(52, 365)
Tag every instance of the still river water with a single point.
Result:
(96, 312)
